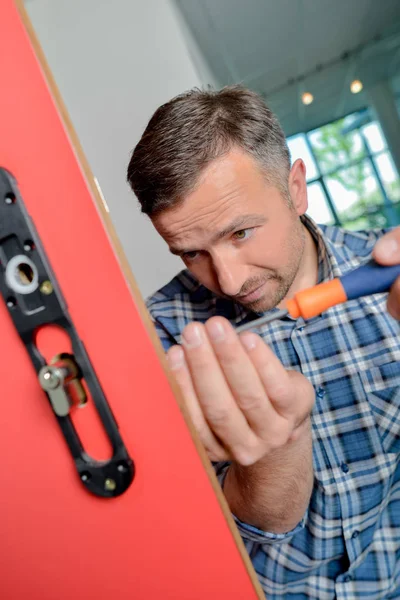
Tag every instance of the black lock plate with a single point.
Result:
(32, 295)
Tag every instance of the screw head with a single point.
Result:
(110, 485)
(50, 378)
(29, 246)
(46, 288)
(11, 303)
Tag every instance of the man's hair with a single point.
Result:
(190, 131)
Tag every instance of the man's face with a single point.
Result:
(237, 234)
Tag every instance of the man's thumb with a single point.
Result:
(387, 249)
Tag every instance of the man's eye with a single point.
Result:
(242, 234)
(190, 255)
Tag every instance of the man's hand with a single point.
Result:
(387, 252)
(249, 410)
(243, 402)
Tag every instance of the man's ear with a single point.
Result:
(298, 187)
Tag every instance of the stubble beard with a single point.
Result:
(273, 298)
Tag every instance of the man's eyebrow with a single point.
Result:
(176, 251)
(239, 223)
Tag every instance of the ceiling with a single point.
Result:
(266, 43)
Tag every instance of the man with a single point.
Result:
(303, 420)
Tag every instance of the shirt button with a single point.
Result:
(344, 467)
(300, 329)
(355, 534)
(320, 392)
(347, 578)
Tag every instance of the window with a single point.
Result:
(351, 177)
(318, 207)
(299, 149)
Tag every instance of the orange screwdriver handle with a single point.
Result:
(313, 301)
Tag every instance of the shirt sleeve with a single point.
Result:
(251, 534)
(166, 338)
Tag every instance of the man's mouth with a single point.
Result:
(252, 296)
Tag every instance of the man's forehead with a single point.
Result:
(201, 213)
(231, 194)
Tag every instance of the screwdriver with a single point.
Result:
(371, 278)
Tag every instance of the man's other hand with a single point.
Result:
(243, 402)
(387, 252)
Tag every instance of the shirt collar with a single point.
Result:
(328, 266)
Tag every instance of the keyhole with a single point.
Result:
(25, 274)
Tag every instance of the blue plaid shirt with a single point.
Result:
(347, 545)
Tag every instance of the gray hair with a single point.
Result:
(190, 131)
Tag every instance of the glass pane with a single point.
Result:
(299, 149)
(388, 174)
(357, 197)
(333, 148)
(318, 208)
(374, 136)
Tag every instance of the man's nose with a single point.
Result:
(229, 274)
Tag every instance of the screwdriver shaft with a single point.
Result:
(262, 321)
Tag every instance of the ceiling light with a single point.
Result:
(307, 98)
(356, 86)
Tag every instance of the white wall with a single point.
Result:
(115, 62)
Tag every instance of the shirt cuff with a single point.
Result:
(251, 533)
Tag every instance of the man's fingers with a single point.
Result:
(176, 361)
(284, 388)
(387, 252)
(241, 376)
(214, 395)
(387, 249)
(393, 302)
(271, 372)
